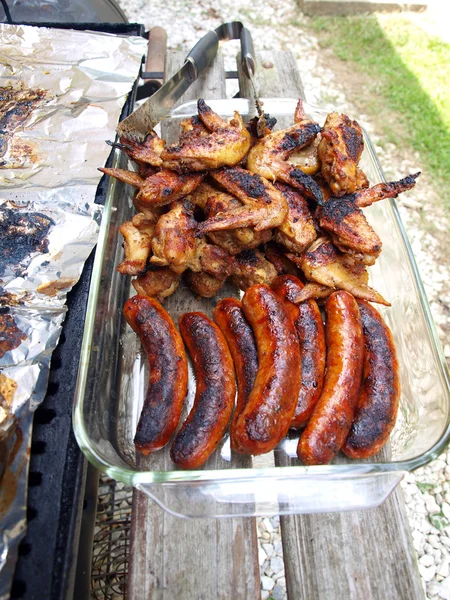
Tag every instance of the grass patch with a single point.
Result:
(409, 73)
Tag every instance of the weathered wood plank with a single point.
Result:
(353, 555)
(170, 557)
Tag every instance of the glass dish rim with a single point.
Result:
(131, 476)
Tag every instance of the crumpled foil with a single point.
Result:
(49, 221)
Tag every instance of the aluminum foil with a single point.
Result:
(70, 87)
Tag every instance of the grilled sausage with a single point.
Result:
(268, 413)
(231, 320)
(215, 394)
(332, 417)
(377, 406)
(168, 380)
(311, 336)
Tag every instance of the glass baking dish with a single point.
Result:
(113, 377)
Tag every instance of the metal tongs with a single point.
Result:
(158, 106)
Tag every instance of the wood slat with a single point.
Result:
(353, 555)
(173, 558)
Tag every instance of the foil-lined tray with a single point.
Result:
(61, 95)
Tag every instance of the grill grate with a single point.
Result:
(111, 540)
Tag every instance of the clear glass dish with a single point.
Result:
(113, 377)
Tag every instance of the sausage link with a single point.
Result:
(377, 406)
(311, 336)
(332, 417)
(231, 320)
(216, 391)
(268, 413)
(168, 379)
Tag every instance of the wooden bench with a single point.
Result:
(360, 555)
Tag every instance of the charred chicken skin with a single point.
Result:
(269, 156)
(297, 231)
(339, 152)
(250, 267)
(212, 202)
(264, 206)
(225, 145)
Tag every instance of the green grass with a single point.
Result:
(408, 72)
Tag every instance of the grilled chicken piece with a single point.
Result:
(264, 206)
(157, 283)
(250, 267)
(322, 263)
(192, 128)
(346, 224)
(167, 186)
(269, 157)
(313, 291)
(339, 152)
(349, 230)
(226, 144)
(203, 284)
(175, 244)
(148, 151)
(277, 256)
(138, 234)
(213, 201)
(297, 231)
(381, 191)
(130, 177)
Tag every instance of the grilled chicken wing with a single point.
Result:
(269, 157)
(138, 234)
(313, 291)
(157, 283)
(214, 201)
(322, 263)
(277, 256)
(148, 151)
(130, 177)
(264, 206)
(349, 230)
(339, 152)
(203, 284)
(175, 244)
(346, 224)
(226, 144)
(381, 191)
(297, 231)
(192, 128)
(250, 267)
(167, 186)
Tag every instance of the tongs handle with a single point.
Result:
(203, 53)
(248, 59)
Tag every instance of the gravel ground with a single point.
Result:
(279, 26)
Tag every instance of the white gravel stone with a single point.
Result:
(426, 560)
(431, 505)
(267, 583)
(268, 548)
(282, 582)
(427, 573)
(277, 576)
(262, 556)
(444, 589)
(278, 593)
(265, 594)
(433, 540)
(268, 525)
(443, 568)
(277, 564)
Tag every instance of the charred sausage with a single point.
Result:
(231, 320)
(266, 418)
(377, 406)
(168, 379)
(332, 417)
(311, 336)
(216, 390)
